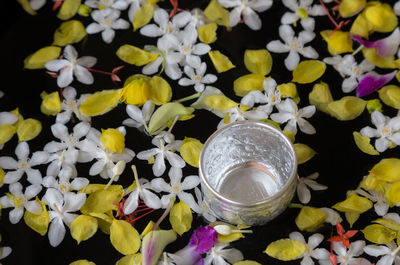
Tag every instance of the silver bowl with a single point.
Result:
(248, 172)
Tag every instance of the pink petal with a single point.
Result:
(371, 82)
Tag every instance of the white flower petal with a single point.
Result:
(131, 203)
(175, 160)
(16, 214)
(150, 199)
(159, 165)
(7, 162)
(13, 176)
(151, 30)
(292, 60)
(277, 46)
(65, 77)
(56, 232)
(38, 158)
(79, 183)
(33, 207)
(8, 118)
(34, 176)
(303, 193)
(22, 150)
(97, 167)
(251, 19)
(234, 16)
(83, 75)
(32, 190)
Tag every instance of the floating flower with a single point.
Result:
(70, 105)
(139, 118)
(270, 97)
(302, 10)
(384, 47)
(303, 193)
(219, 255)
(389, 253)
(351, 255)
(107, 4)
(197, 77)
(319, 254)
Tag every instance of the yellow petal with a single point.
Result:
(374, 105)
(378, 234)
(160, 90)
(351, 217)
(354, 203)
(247, 83)
(28, 129)
(290, 135)
(390, 95)
(68, 9)
(387, 170)
(148, 228)
(134, 55)
(338, 41)
(382, 62)
(220, 61)
(371, 182)
(320, 96)
(258, 61)
(142, 16)
(82, 262)
(69, 32)
(346, 108)
(393, 194)
(310, 219)
(7, 131)
(219, 102)
(215, 12)
(234, 236)
(181, 218)
(83, 228)
(102, 201)
(124, 237)
(388, 223)
(190, 151)
(308, 71)
(51, 103)
(27, 6)
(130, 260)
(113, 140)
(286, 249)
(100, 102)
(381, 17)
(38, 59)
(38, 222)
(247, 262)
(289, 90)
(208, 33)
(136, 92)
(303, 152)
(363, 143)
(84, 10)
(2, 174)
(349, 8)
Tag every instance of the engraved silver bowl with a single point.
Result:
(248, 172)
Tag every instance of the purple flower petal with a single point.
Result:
(371, 82)
(204, 238)
(384, 47)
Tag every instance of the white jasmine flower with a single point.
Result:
(303, 193)
(218, 255)
(302, 10)
(72, 65)
(350, 256)
(139, 118)
(239, 113)
(106, 4)
(319, 254)
(289, 112)
(60, 167)
(387, 130)
(389, 253)
(63, 207)
(64, 184)
(69, 142)
(70, 106)
(176, 188)
(293, 45)
(164, 25)
(202, 208)
(349, 70)
(162, 152)
(23, 165)
(270, 97)
(197, 77)
(246, 9)
(198, 18)
(107, 21)
(20, 201)
(378, 197)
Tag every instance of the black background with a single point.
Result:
(340, 164)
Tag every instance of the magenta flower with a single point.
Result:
(384, 47)
(371, 82)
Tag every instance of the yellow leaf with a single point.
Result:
(28, 129)
(303, 152)
(247, 83)
(83, 227)
(69, 32)
(100, 102)
(363, 143)
(82, 262)
(220, 61)
(27, 6)
(38, 222)
(219, 102)
(38, 59)
(113, 140)
(181, 218)
(338, 41)
(361, 27)
(289, 90)
(392, 194)
(102, 201)
(382, 62)
(142, 16)
(354, 203)
(390, 95)
(124, 237)
(381, 17)
(320, 96)
(387, 170)
(310, 219)
(258, 61)
(208, 33)
(134, 55)
(51, 103)
(247, 262)
(68, 9)
(286, 249)
(379, 234)
(346, 108)
(7, 131)
(160, 90)
(215, 12)
(308, 71)
(135, 259)
(349, 8)
(190, 151)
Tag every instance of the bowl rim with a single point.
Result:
(278, 132)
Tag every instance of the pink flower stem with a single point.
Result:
(99, 71)
(137, 218)
(329, 15)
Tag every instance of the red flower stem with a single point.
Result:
(328, 14)
(99, 71)
(137, 218)
(142, 210)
